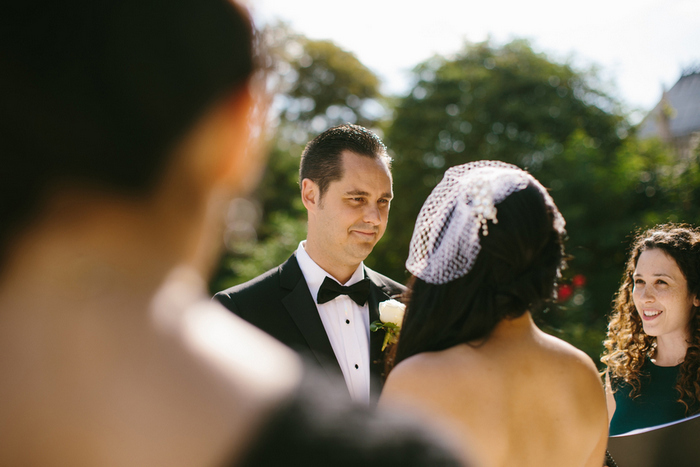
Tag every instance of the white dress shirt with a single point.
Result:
(346, 324)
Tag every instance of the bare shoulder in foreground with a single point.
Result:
(521, 397)
(106, 382)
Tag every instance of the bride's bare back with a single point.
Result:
(520, 398)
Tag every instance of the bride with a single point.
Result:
(486, 250)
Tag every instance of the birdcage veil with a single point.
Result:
(445, 241)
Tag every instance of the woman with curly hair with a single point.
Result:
(653, 344)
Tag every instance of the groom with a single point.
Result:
(321, 301)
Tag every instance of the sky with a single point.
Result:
(638, 46)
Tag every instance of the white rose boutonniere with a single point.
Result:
(390, 319)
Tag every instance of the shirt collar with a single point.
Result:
(314, 274)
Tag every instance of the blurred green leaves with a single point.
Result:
(505, 102)
(317, 85)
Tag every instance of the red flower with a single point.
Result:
(564, 293)
(579, 280)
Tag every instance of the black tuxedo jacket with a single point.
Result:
(279, 303)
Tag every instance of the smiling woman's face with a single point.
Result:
(661, 295)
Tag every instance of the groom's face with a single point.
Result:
(352, 214)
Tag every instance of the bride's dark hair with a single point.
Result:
(515, 271)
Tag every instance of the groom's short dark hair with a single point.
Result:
(321, 159)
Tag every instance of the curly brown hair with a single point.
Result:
(627, 347)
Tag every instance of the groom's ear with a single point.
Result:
(310, 194)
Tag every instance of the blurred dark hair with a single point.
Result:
(627, 346)
(515, 271)
(321, 161)
(98, 93)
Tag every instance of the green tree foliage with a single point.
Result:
(317, 85)
(508, 103)
(512, 104)
(678, 185)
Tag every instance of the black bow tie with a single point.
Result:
(358, 292)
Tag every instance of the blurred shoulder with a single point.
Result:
(227, 343)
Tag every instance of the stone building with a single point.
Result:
(676, 118)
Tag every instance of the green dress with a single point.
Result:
(656, 404)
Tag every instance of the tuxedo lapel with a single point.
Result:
(377, 294)
(302, 308)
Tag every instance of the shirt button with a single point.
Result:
(356, 366)
(347, 321)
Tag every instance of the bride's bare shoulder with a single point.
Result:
(431, 371)
(566, 354)
(573, 373)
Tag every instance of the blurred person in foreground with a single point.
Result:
(321, 301)
(126, 127)
(486, 251)
(652, 350)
